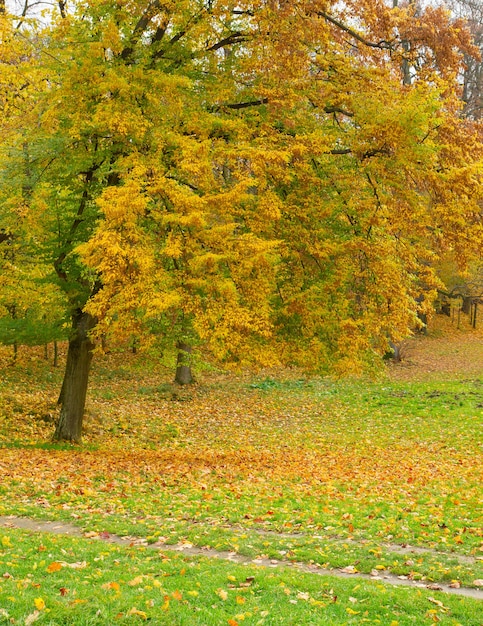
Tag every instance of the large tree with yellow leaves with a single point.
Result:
(270, 180)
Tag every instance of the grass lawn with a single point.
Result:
(368, 476)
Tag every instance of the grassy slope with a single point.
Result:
(340, 473)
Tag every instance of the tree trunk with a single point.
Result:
(184, 375)
(396, 352)
(74, 386)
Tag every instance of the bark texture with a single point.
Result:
(184, 375)
(74, 386)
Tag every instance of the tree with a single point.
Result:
(471, 12)
(225, 170)
(123, 109)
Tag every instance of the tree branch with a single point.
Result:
(228, 41)
(241, 105)
(341, 151)
(61, 273)
(383, 44)
(140, 27)
(4, 236)
(334, 109)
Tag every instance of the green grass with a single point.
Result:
(69, 580)
(336, 473)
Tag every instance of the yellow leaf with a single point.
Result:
(193, 593)
(165, 606)
(39, 604)
(6, 542)
(221, 593)
(134, 611)
(240, 600)
(438, 603)
(351, 611)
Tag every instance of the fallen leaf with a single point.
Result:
(134, 611)
(303, 595)
(39, 604)
(54, 567)
(221, 593)
(112, 585)
(33, 617)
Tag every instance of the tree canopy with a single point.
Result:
(270, 181)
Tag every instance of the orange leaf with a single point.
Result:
(232, 622)
(112, 585)
(177, 595)
(54, 567)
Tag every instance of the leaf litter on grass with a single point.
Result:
(343, 468)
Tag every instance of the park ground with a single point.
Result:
(254, 499)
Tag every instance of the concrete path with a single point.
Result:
(64, 528)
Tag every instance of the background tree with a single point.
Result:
(471, 11)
